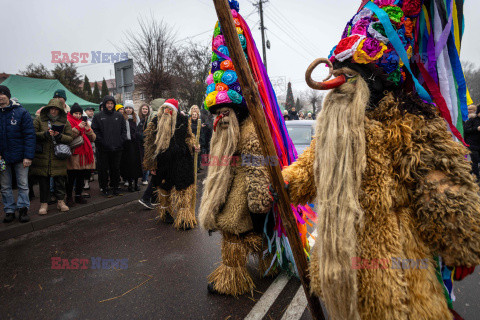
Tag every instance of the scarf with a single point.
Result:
(84, 151)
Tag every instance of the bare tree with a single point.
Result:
(191, 68)
(472, 76)
(154, 55)
(313, 98)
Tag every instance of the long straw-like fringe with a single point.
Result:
(164, 200)
(232, 277)
(185, 212)
(339, 164)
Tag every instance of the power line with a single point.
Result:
(294, 27)
(287, 44)
(292, 37)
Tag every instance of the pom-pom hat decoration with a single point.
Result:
(223, 89)
(389, 37)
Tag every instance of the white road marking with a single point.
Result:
(299, 302)
(297, 305)
(260, 309)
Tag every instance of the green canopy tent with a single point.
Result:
(33, 93)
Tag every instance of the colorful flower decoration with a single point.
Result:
(217, 76)
(220, 87)
(227, 65)
(364, 39)
(222, 82)
(229, 77)
(215, 66)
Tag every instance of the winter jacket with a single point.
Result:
(111, 131)
(45, 163)
(472, 135)
(17, 135)
(293, 115)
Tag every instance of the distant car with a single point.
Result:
(301, 132)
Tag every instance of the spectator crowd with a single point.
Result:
(62, 147)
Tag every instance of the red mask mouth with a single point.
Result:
(218, 118)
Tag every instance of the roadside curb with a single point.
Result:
(41, 222)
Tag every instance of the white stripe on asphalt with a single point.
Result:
(297, 305)
(260, 309)
(299, 302)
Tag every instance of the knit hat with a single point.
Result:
(4, 90)
(172, 103)
(129, 104)
(76, 108)
(118, 107)
(60, 93)
(223, 89)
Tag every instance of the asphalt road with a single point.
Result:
(161, 274)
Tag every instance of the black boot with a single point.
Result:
(211, 288)
(9, 217)
(168, 218)
(130, 186)
(136, 188)
(23, 215)
(80, 200)
(69, 201)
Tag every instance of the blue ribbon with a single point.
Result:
(398, 46)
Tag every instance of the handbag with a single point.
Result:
(77, 142)
(61, 151)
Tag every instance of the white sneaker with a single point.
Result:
(126, 184)
(145, 182)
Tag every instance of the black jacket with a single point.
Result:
(472, 135)
(175, 165)
(111, 131)
(293, 115)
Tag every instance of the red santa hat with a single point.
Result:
(171, 103)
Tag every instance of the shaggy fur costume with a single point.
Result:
(238, 211)
(174, 179)
(418, 200)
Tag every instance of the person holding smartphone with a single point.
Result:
(82, 159)
(51, 124)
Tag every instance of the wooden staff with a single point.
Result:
(252, 97)
(195, 159)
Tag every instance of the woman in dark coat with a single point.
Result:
(131, 165)
(144, 115)
(45, 164)
(193, 123)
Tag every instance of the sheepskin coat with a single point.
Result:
(247, 198)
(419, 200)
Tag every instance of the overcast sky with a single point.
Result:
(299, 31)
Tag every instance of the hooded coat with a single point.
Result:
(174, 166)
(109, 127)
(45, 163)
(17, 135)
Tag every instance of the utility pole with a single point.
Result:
(262, 29)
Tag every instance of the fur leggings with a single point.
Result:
(179, 204)
(232, 277)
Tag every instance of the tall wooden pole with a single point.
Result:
(252, 97)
